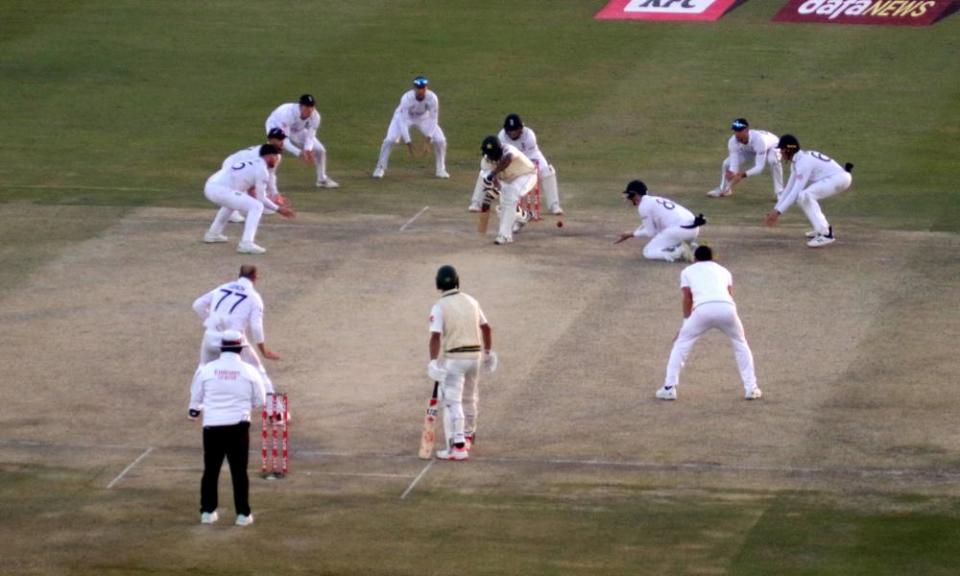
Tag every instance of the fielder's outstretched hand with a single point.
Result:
(624, 236)
(772, 217)
(286, 212)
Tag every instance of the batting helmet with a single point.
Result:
(635, 188)
(739, 124)
(447, 278)
(512, 122)
(788, 142)
(491, 148)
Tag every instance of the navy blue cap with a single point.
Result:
(276, 134)
(420, 81)
(739, 124)
(308, 100)
(635, 188)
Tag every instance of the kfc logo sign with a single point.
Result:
(889, 12)
(664, 9)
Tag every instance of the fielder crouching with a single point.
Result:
(458, 325)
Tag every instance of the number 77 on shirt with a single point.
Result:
(429, 435)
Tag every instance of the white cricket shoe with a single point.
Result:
(250, 248)
(665, 393)
(821, 240)
(209, 517)
(719, 192)
(518, 224)
(442, 174)
(556, 210)
(473, 207)
(811, 234)
(378, 172)
(455, 454)
(501, 240)
(215, 238)
(244, 520)
(327, 183)
(236, 217)
(754, 394)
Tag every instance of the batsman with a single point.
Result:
(509, 175)
(458, 327)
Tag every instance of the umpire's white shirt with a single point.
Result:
(227, 390)
(708, 282)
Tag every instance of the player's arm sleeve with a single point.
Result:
(433, 118)
(403, 122)
(436, 319)
(202, 305)
(289, 147)
(196, 390)
(310, 134)
(789, 196)
(256, 321)
(733, 155)
(760, 163)
(258, 391)
(263, 186)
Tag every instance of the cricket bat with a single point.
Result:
(429, 435)
(484, 220)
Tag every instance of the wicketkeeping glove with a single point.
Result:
(490, 361)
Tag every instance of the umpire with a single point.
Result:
(225, 392)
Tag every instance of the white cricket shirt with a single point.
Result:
(301, 131)
(425, 113)
(658, 214)
(227, 390)
(708, 282)
(807, 168)
(232, 306)
(526, 143)
(758, 143)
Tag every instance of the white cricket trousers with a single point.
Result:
(319, 155)
(772, 160)
(666, 244)
(809, 196)
(462, 374)
(396, 134)
(210, 351)
(229, 200)
(722, 316)
(510, 195)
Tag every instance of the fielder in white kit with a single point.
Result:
(458, 326)
(745, 146)
(238, 306)
(509, 174)
(420, 108)
(813, 177)
(275, 137)
(243, 187)
(524, 139)
(672, 229)
(707, 289)
(300, 121)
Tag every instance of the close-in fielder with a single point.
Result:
(813, 177)
(226, 391)
(237, 306)
(300, 121)
(419, 107)
(275, 138)
(243, 187)
(707, 289)
(672, 229)
(524, 139)
(511, 175)
(744, 146)
(458, 326)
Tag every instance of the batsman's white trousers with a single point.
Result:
(462, 374)
(510, 195)
(666, 244)
(229, 200)
(722, 316)
(809, 196)
(210, 351)
(396, 134)
(748, 160)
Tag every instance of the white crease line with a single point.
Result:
(130, 467)
(417, 479)
(415, 216)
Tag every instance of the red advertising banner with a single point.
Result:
(664, 9)
(888, 12)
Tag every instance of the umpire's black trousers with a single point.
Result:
(233, 442)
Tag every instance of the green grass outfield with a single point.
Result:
(124, 104)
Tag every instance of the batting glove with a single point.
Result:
(490, 361)
(488, 179)
(435, 372)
